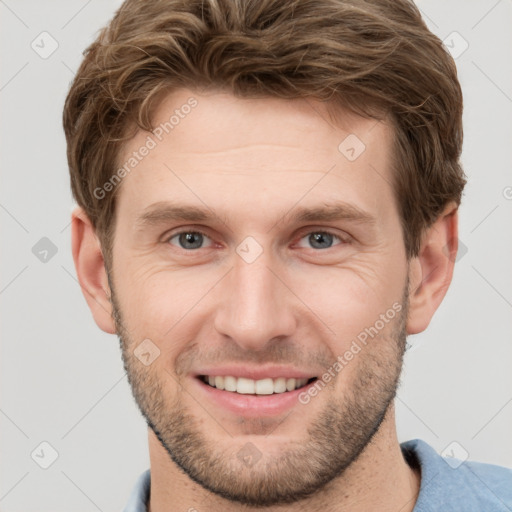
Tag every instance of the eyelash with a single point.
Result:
(198, 231)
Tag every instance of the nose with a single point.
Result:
(255, 305)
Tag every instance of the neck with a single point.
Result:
(378, 480)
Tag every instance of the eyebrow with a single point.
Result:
(165, 212)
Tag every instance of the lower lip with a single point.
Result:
(253, 406)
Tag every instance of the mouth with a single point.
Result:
(254, 392)
(262, 387)
(252, 398)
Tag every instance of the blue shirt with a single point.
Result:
(447, 484)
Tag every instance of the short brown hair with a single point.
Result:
(376, 58)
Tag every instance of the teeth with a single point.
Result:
(264, 387)
(280, 385)
(250, 387)
(230, 383)
(245, 386)
(219, 382)
(290, 384)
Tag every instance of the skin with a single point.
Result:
(295, 304)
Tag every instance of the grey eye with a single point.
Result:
(189, 239)
(321, 240)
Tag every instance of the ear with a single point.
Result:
(430, 273)
(90, 269)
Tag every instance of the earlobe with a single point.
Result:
(431, 271)
(90, 269)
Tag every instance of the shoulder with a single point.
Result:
(138, 499)
(449, 483)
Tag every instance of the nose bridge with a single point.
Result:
(255, 305)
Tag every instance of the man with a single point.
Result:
(268, 197)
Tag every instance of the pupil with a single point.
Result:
(321, 237)
(188, 238)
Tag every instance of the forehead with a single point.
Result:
(255, 155)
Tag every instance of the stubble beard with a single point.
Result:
(334, 439)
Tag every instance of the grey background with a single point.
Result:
(62, 378)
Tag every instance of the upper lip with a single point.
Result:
(256, 373)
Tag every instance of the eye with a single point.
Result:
(193, 240)
(322, 239)
(188, 240)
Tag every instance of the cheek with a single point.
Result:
(159, 302)
(154, 300)
(348, 299)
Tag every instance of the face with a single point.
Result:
(294, 274)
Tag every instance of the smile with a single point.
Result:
(247, 386)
